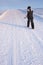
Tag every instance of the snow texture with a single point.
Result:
(20, 45)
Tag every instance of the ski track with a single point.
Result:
(38, 38)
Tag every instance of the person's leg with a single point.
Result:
(32, 24)
(28, 22)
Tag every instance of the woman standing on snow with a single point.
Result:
(30, 17)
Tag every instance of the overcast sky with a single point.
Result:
(17, 4)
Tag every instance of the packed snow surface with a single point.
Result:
(20, 45)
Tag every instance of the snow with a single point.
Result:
(20, 45)
(39, 12)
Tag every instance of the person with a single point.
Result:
(30, 17)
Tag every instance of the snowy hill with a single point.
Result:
(12, 16)
(20, 45)
(39, 11)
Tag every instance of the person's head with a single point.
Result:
(29, 8)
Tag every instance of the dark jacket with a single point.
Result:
(29, 14)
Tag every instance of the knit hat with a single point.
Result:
(28, 7)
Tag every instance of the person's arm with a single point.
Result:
(25, 16)
(32, 13)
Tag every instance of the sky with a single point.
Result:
(20, 4)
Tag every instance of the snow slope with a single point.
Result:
(20, 45)
(39, 12)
